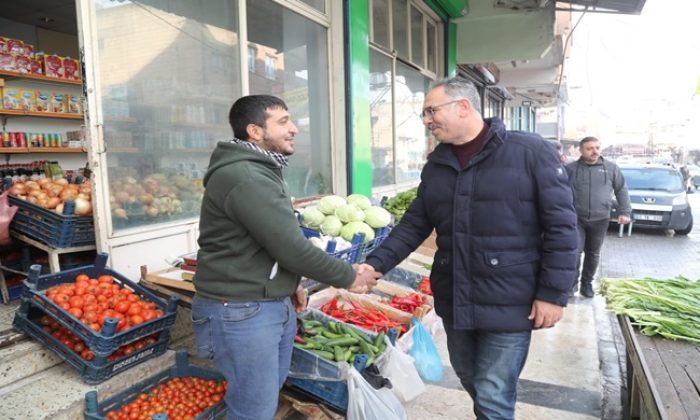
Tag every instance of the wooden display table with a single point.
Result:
(54, 265)
(663, 376)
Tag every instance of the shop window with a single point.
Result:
(299, 48)
(380, 23)
(400, 27)
(270, 67)
(414, 33)
(399, 138)
(431, 47)
(252, 56)
(319, 5)
(169, 74)
(417, 40)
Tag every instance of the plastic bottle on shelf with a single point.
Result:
(56, 170)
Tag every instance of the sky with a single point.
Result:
(638, 72)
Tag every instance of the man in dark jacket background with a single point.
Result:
(502, 208)
(594, 180)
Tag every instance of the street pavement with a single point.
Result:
(576, 370)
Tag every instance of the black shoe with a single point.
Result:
(587, 290)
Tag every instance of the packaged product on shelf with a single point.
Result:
(35, 66)
(28, 100)
(57, 102)
(53, 65)
(28, 50)
(15, 46)
(42, 100)
(7, 61)
(75, 104)
(71, 69)
(10, 98)
(23, 63)
(3, 44)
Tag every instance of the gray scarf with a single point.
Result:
(281, 159)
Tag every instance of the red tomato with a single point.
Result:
(76, 312)
(122, 306)
(134, 309)
(81, 277)
(149, 314)
(105, 278)
(136, 320)
(76, 302)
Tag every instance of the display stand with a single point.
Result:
(54, 265)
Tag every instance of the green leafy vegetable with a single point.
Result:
(398, 204)
(670, 308)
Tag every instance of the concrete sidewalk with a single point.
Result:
(562, 377)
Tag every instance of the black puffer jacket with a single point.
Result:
(506, 231)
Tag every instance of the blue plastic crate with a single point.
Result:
(97, 370)
(14, 292)
(379, 236)
(182, 368)
(51, 228)
(104, 342)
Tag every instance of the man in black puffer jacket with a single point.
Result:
(502, 208)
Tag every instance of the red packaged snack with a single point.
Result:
(23, 63)
(7, 61)
(35, 66)
(71, 69)
(53, 66)
(15, 46)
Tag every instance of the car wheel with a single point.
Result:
(687, 229)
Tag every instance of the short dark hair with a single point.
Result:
(586, 140)
(252, 109)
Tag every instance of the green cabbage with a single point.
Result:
(377, 217)
(329, 203)
(349, 230)
(312, 218)
(349, 213)
(331, 226)
(359, 200)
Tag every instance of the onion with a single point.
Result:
(61, 181)
(120, 213)
(32, 185)
(82, 207)
(18, 189)
(59, 208)
(52, 202)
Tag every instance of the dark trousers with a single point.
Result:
(591, 235)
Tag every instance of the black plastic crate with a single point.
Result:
(51, 228)
(97, 370)
(104, 342)
(95, 410)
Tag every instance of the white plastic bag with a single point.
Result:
(399, 367)
(367, 403)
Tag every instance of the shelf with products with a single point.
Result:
(21, 113)
(41, 150)
(39, 78)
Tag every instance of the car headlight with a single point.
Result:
(679, 199)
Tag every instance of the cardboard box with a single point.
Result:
(53, 65)
(27, 100)
(57, 102)
(43, 98)
(10, 98)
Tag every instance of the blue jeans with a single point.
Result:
(251, 345)
(488, 364)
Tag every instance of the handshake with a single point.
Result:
(365, 278)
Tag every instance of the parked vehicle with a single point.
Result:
(659, 198)
(694, 175)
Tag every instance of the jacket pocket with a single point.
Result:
(203, 336)
(502, 259)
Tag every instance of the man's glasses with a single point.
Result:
(431, 110)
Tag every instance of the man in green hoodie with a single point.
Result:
(252, 254)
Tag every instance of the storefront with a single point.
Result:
(159, 78)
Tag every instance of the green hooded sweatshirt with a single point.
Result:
(251, 246)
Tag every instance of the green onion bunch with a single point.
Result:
(670, 308)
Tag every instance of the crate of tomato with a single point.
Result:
(101, 308)
(183, 390)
